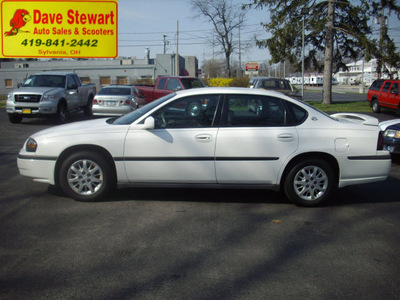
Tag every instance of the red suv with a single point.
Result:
(384, 93)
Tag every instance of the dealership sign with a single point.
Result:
(76, 29)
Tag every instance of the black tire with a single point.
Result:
(375, 106)
(88, 108)
(62, 113)
(15, 118)
(310, 183)
(86, 176)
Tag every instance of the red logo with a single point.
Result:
(21, 17)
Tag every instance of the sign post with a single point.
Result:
(251, 68)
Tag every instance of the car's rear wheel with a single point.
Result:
(310, 182)
(86, 176)
(375, 106)
(88, 111)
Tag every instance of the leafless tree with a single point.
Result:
(225, 18)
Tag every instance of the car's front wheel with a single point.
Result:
(310, 182)
(375, 106)
(86, 176)
(15, 118)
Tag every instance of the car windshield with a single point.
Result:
(45, 80)
(190, 83)
(117, 91)
(136, 114)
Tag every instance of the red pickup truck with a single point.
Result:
(384, 94)
(166, 85)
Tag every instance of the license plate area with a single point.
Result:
(26, 111)
(111, 103)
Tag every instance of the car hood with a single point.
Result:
(393, 124)
(83, 127)
(38, 90)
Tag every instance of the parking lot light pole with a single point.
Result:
(304, 12)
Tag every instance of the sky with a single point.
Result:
(142, 24)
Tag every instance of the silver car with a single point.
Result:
(115, 100)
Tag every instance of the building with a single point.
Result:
(100, 71)
(354, 74)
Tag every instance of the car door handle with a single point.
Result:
(286, 137)
(203, 137)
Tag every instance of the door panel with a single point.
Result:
(180, 149)
(255, 141)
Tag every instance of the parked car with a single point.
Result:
(384, 93)
(115, 100)
(168, 84)
(391, 135)
(208, 137)
(275, 84)
(50, 94)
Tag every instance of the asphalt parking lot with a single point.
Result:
(192, 243)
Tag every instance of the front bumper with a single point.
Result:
(31, 109)
(392, 145)
(40, 169)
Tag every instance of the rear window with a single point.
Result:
(190, 83)
(376, 85)
(115, 91)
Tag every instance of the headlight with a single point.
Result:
(393, 134)
(49, 98)
(31, 145)
(9, 96)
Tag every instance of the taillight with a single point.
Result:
(94, 101)
(380, 141)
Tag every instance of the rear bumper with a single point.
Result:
(111, 111)
(365, 169)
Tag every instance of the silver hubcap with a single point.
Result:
(85, 177)
(310, 183)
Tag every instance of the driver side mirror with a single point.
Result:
(149, 123)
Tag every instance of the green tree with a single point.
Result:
(337, 28)
(386, 52)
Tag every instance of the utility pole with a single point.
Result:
(165, 44)
(177, 53)
(240, 57)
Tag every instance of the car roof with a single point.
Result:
(55, 73)
(270, 78)
(117, 85)
(231, 90)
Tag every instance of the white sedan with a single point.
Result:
(226, 137)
